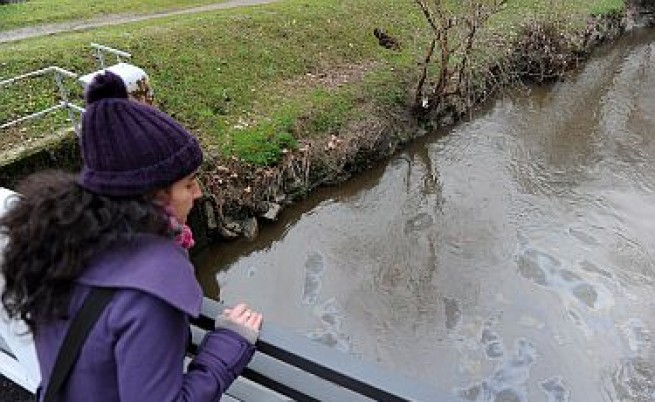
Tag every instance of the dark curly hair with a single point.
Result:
(52, 230)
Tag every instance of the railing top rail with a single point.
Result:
(43, 71)
(111, 50)
(32, 116)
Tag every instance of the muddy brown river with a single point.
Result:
(511, 258)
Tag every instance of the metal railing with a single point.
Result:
(100, 53)
(64, 102)
(304, 370)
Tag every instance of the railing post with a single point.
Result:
(100, 50)
(63, 93)
(59, 74)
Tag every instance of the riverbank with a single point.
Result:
(289, 96)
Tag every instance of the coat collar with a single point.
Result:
(151, 264)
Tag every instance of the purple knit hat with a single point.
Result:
(129, 148)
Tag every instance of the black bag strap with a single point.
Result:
(79, 329)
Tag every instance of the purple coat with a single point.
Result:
(136, 350)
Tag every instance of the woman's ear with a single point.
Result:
(161, 197)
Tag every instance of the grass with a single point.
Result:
(567, 7)
(606, 6)
(253, 81)
(36, 12)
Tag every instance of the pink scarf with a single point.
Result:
(182, 230)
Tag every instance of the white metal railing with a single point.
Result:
(100, 50)
(100, 53)
(64, 102)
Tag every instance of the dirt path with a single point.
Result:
(114, 19)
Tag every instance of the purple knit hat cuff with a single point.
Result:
(132, 182)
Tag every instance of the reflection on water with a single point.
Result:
(509, 260)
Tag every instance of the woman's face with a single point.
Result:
(179, 197)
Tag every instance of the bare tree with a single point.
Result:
(448, 66)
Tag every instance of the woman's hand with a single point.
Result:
(242, 315)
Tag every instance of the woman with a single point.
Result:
(120, 223)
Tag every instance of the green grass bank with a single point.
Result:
(279, 94)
